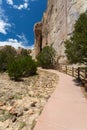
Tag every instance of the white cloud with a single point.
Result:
(15, 43)
(23, 38)
(11, 42)
(25, 4)
(4, 24)
(10, 2)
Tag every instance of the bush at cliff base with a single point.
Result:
(46, 58)
(22, 67)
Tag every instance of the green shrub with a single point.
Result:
(22, 67)
(15, 69)
(6, 56)
(46, 57)
(2, 61)
(29, 66)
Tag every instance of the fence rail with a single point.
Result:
(80, 72)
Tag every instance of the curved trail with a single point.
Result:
(66, 109)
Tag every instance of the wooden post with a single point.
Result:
(85, 80)
(66, 69)
(78, 73)
(73, 71)
(85, 75)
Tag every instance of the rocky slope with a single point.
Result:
(57, 24)
(22, 102)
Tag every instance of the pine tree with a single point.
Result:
(76, 47)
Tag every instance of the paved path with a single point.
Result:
(66, 109)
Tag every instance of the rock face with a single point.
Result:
(57, 24)
(38, 37)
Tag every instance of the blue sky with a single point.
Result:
(17, 19)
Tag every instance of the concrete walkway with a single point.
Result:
(66, 109)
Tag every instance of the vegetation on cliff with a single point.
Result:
(76, 47)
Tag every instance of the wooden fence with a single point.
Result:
(80, 72)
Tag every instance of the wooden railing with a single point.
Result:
(80, 72)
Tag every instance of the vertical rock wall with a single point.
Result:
(58, 22)
(38, 38)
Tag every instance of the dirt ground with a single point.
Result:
(22, 102)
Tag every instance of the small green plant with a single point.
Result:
(5, 115)
(46, 57)
(22, 125)
(17, 96)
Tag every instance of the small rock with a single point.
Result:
(13, 111)
(31, 112)
(26, 109)
(31, 93)
(14, 119)
(7, 126)
(33, 104)
(10, 97)
(37, 94)
(12, 103)
(2, 104)
(19, 113)
(47, 96)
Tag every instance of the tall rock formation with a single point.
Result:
(57, 24)
(38, 38)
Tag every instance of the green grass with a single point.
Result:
(22, 125)
(4, 115)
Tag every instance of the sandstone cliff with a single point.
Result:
(38, 38)
(57, 24)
